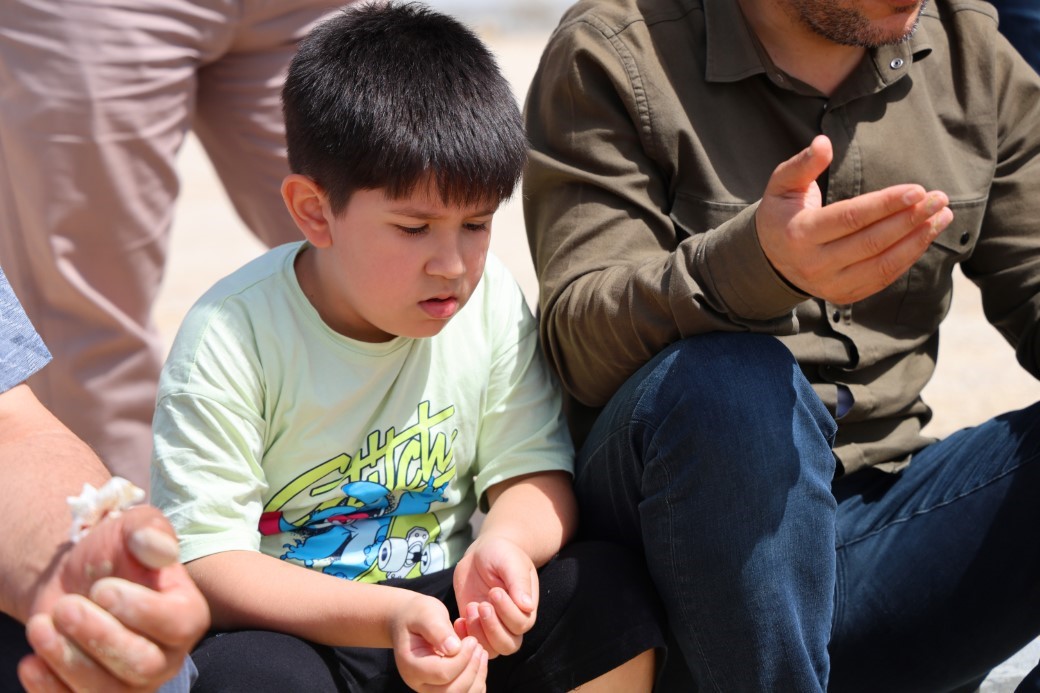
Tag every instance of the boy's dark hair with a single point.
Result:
(382, 95)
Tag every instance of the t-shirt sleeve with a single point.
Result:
(209, 436)
(522, 429)
(22, 352)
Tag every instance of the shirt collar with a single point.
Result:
(733, 52)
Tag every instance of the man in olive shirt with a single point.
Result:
(717, 185)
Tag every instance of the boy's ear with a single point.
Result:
(309, 208)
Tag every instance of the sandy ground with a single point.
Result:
(977, 375)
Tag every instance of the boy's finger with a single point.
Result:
(472, 677)
(500, 638)
(474, 625)
(513, 618)
(524, 591)
(438, 672)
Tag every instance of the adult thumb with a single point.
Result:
(797, 174)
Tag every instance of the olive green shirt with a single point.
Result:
(655, 125)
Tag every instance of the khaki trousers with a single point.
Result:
(96, 98)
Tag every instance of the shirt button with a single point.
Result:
(837, 316)
(965, 237)
(896, 63)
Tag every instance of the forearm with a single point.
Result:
(41, 464)
(247, 589)
(537, 512)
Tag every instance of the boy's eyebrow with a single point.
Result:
(423, 213)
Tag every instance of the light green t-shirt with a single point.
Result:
(275, 433)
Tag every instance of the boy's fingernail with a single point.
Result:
(451, 645)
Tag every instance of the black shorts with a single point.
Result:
(596, 611)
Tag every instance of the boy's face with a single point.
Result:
(398, 267)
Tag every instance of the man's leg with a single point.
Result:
(715, 460)
(97, 98)
(239, 111)
(939, 565)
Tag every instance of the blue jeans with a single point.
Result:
(715, 459)
(1020, 23)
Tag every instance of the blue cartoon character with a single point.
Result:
(343, 539)
(358, 520)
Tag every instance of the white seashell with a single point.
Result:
(92, 504)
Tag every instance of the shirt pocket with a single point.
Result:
(693, 216)
(929, 283)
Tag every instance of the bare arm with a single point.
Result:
(496, 583)
(537, 512)
(41, 463)
(248, 589)
(132, 622)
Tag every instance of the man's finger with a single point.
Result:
(883, 234)
(897, 203)
(176, 616)
(873, 274)
(798, 173)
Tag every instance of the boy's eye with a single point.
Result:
(482, 226)
(413, 230)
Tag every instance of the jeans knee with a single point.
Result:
(734, 397)
(729, 379)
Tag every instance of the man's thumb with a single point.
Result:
(799, 172)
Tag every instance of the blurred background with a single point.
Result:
(977, 375)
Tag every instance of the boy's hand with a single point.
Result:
(430, 656)
(496, 587)
(118, 611)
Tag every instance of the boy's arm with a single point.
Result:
(248, 589)
(496, 583)
(537, 512)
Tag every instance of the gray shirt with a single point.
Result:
(22, 352)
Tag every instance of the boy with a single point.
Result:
(342, 404)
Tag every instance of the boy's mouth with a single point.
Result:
(440, 308)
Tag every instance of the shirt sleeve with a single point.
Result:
(22, 352)
(619, 278)
(522, 429)
(208, 429)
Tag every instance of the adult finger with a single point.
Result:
(176, 616)
(871, 275)
(881, 235)
(36, 677)
(900, 205)
(112, 650)
(796, 175)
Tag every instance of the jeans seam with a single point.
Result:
(938, 506)
(673, 565)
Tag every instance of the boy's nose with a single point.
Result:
(447, 261)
